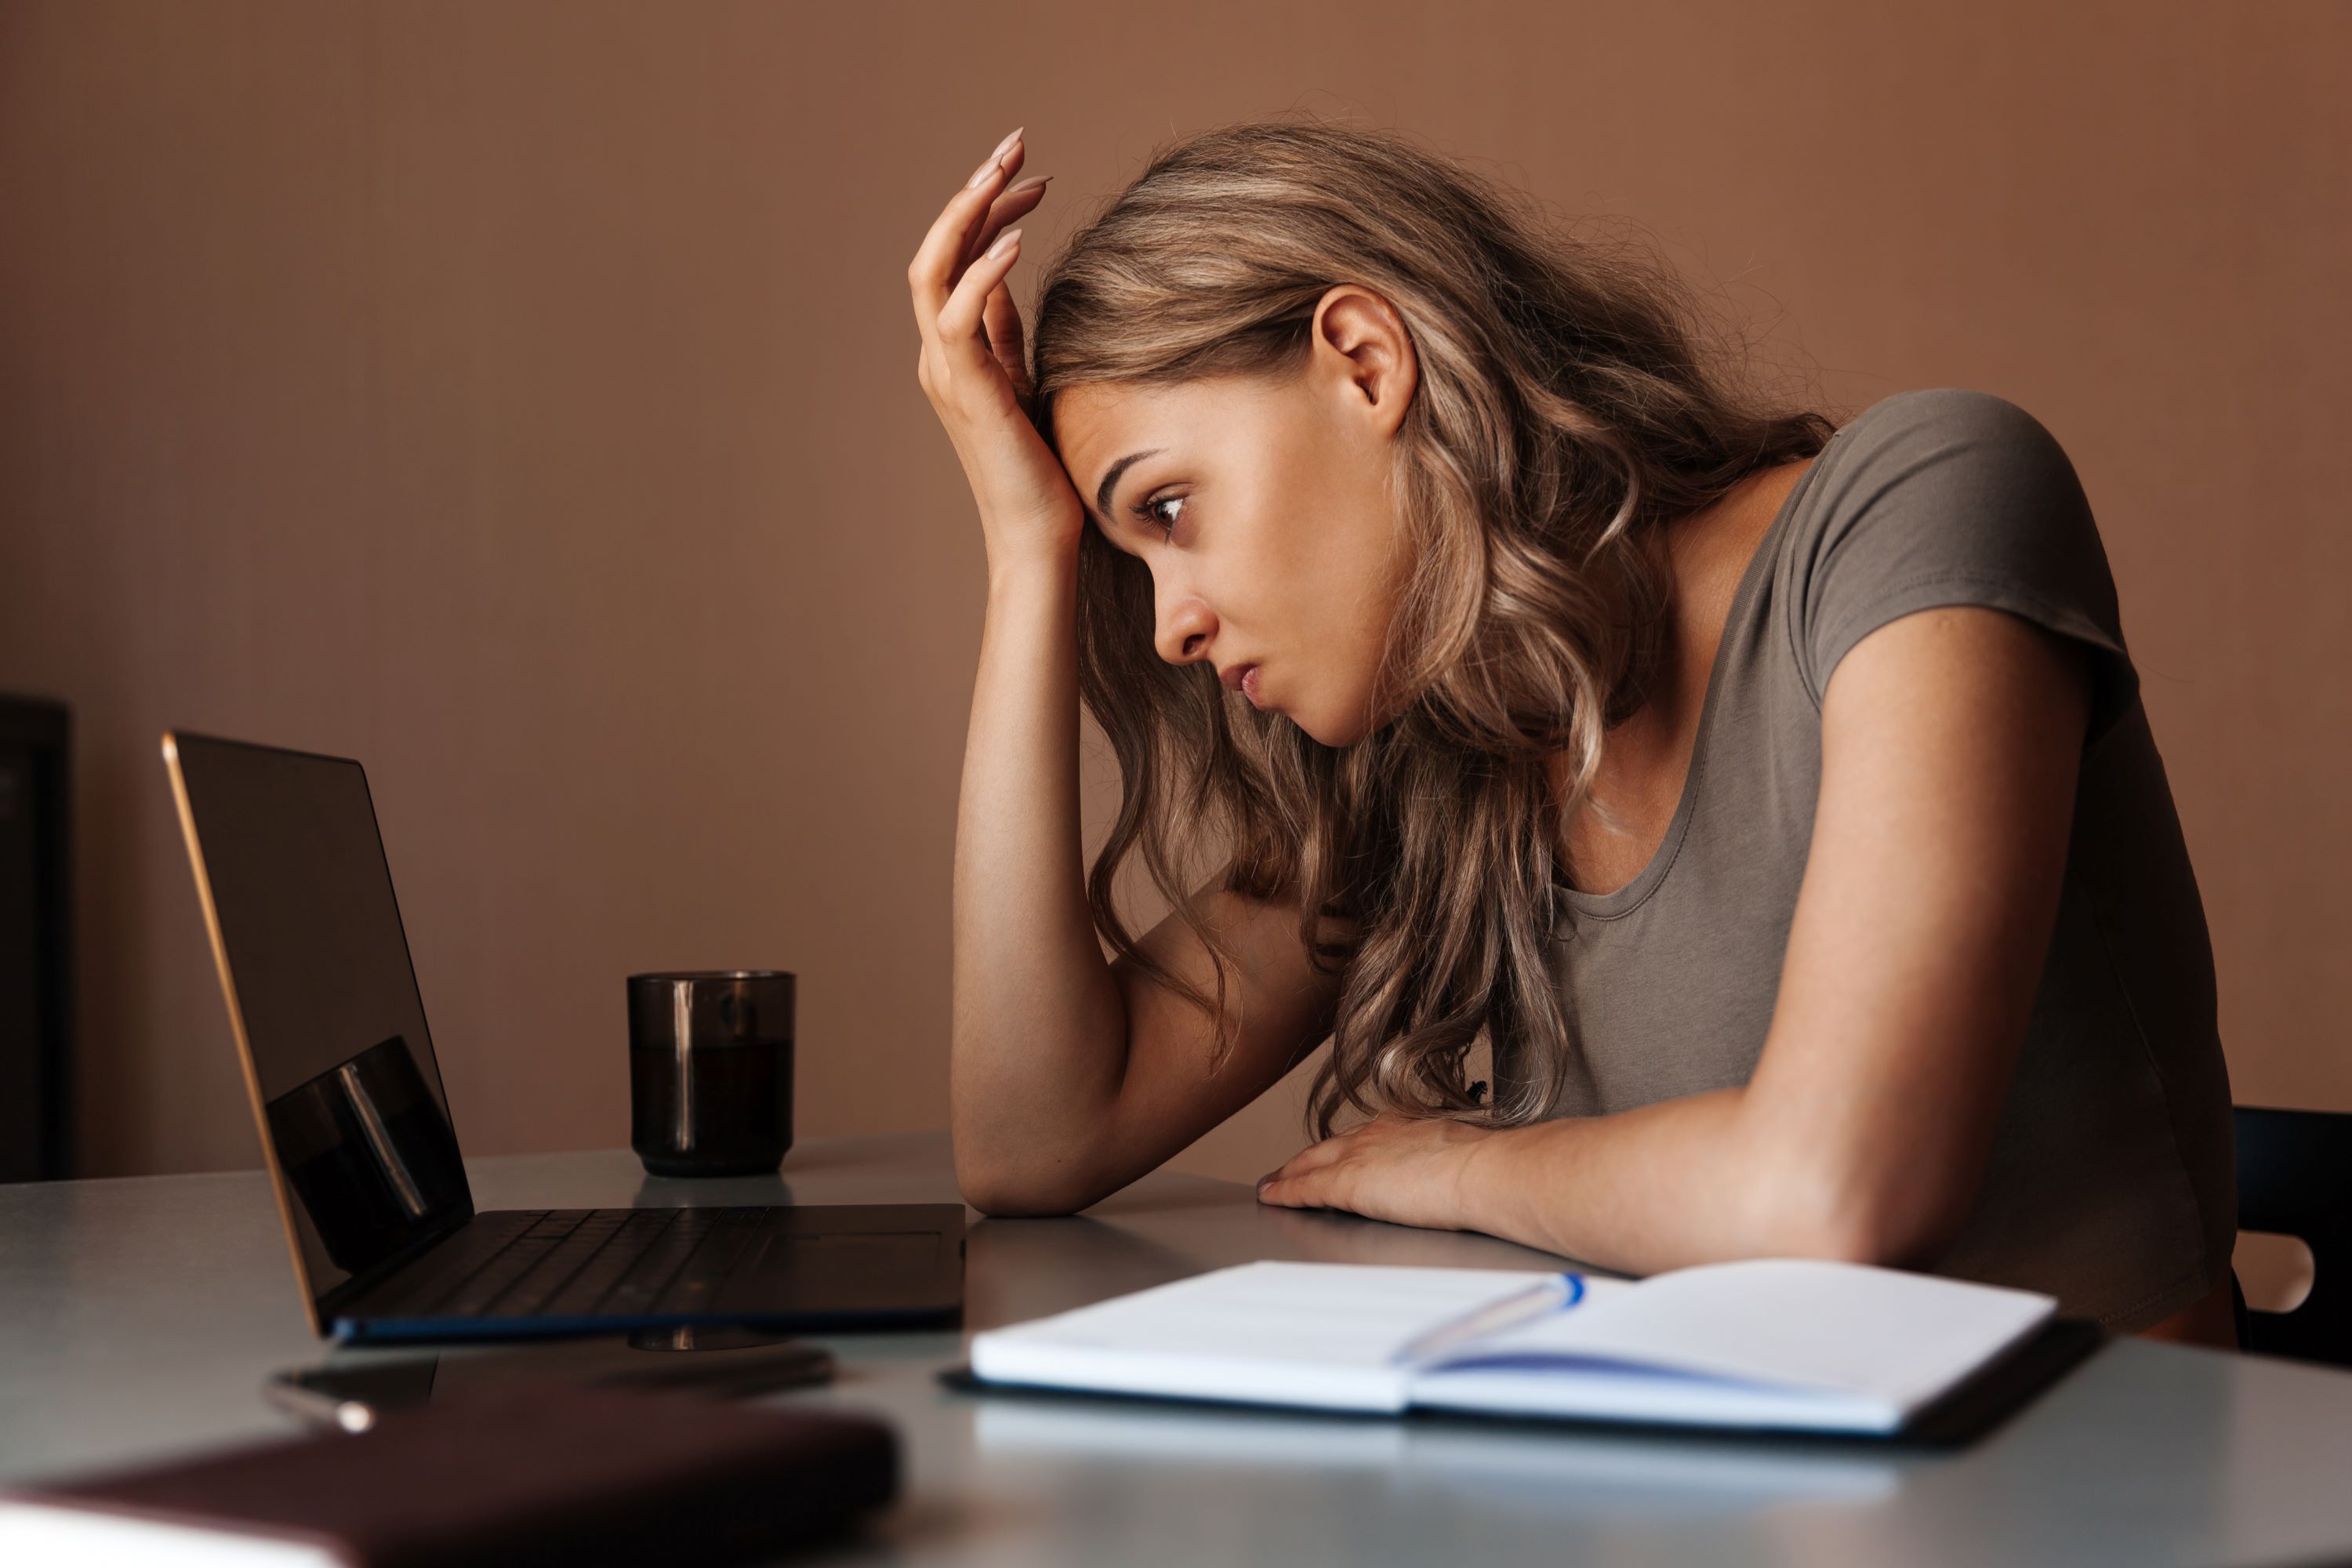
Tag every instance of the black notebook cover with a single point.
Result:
(1974, 1406)
(574, 1475)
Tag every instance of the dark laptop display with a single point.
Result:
(351, 1092)
(362, 1149)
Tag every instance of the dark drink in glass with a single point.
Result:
(710, 1070)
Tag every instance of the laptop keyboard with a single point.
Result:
(570, 1263)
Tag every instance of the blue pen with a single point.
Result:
(1554, 1293)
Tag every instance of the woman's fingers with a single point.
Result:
(958, 322)
(971, 368)
(933, 272)
(1018, 201)
(964, 310)
(1001, 317)
(1310, 1178)
(989, 224)
(1313, 1157)
(1298, 1189)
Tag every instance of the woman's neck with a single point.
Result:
(1645, 756)
(1708, 553)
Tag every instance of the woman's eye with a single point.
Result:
(1152, 511)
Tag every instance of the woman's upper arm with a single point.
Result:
(1175, 1087)
(1951, 740)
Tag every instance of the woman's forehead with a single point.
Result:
(1096, 422)
(1104, 410)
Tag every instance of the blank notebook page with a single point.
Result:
(1889, 1336)
(1319, 1333)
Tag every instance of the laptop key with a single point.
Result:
(480, 1292)
(529, 1295)
(638, 1232)
(642, 1285)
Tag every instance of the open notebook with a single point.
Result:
(1772, 1343)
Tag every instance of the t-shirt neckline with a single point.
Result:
(1623, 901)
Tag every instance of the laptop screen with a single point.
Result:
(366, 1155)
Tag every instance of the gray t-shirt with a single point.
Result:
(2112, 1183)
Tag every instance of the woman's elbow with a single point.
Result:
(1848, 1213)
(1014, 1201)
(1006, 1189)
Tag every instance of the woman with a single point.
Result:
(1772, 800)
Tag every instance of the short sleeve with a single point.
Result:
(1951, 497)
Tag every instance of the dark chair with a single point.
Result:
(2295, 1177)
(35, 943)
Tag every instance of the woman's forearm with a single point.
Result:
(1696, 1179)
(1039, 1034)
(1704, 1178)
(1638, 1191)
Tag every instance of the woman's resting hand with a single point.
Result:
(1407, 1170)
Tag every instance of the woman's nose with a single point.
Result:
(1186, 625)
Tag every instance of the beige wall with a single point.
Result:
(521, 397)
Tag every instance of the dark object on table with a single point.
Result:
(2294, 1178)
(35, 943)
(710, 1071)
(581, 1475)
(352, 1391)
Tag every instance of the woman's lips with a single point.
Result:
(1242, 678)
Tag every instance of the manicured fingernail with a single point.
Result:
(1032, 183)
(1010, 138)
(1262, 1180)
(1005, 242)
(983, 170)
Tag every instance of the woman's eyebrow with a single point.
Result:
(1110, 479)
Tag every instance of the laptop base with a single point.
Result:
(509, 1274)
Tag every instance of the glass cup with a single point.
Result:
(710, 1071)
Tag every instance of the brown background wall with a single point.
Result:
(521, 397)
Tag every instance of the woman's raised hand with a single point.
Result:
(973, 369)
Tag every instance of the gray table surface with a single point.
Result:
(138, 1318)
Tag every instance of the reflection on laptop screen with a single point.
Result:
(351, 1093)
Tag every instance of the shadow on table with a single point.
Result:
(1570, 1470)
(1019, 1268)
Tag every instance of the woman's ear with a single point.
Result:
(1361, 347)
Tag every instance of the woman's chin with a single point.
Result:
(1336, 720)
(1325, 730)
(1345, 723)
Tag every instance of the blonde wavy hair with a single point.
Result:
(1564, 410)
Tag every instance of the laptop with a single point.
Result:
(362, 1150)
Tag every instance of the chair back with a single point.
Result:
(2294, 1178)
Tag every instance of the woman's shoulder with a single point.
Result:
(1938, 419)
(1944, 496)
(1949, 455)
